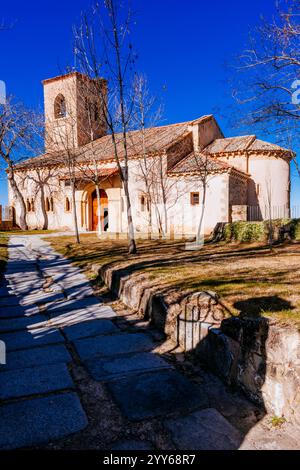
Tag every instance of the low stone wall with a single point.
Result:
(252, 353)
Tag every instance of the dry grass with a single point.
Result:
(26, 232)
(248, 277)
(3, 252)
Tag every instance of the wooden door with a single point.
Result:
(95, 218)
(104, 211)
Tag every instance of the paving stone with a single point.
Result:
(79, 292)
(5, 292)
(34, 380)
(41, 297)
(13, 312)
(25, 287)
(64, 279)
(111, 369)
(16, 324)
(60, 319)
(113, 345)
(72, 283)
(8, 301)
(31, 339)
(74, 304)
(90, 328)
(156, 394)
(35, 357)
(32, 422)
(204, 430)
(132, 445)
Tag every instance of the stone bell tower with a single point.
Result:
(74, 111)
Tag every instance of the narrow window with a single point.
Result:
(32, 205)
(195, 199)
(47, 204)
(60, 109)
(51, 204)
(28, 205)
(67, 205)
(143, 203)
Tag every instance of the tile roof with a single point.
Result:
(243, 143)
(102, 173)
(201, 163)
(156, 139)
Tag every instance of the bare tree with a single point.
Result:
(63, 151)
(17, 130)
(146, 113)
(102, 47)
(42, 179)
(269, 71)
(205, 170)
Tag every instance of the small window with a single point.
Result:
(49, 204)
(195, 199)
(28, 205)
(60, 109)
(67, 205)
(32, 205)
(145, 206)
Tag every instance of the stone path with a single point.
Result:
(79, 375)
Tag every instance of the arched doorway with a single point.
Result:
(104, 211)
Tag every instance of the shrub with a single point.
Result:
(295, 229)
(245, 231)
(259, 231)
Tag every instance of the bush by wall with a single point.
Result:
(259, 231)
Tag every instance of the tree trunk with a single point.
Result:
(199, 239)
(19, 197)
(75, 214)
(43, 207)
(131, 241)
(99, 210)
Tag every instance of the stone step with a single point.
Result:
(31, 422)
(90, 328)
(25, 323)
(34, 381)
(118, 367)
(107, 346)
(204, 430)
(35, 357)
(156, 394)
(31, 339)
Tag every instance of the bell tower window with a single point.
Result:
(60, 109)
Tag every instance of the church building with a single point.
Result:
(174, 171)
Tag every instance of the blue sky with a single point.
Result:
(183, 49)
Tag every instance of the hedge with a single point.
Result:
(259, 231)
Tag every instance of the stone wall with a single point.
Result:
(254, 354)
